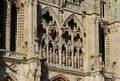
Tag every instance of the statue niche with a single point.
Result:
(75, 58)
(56, 54)
(80, 58)
(63, 55)
(50, 55)
(69, 56)
(44, 51)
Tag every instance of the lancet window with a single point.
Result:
(13, 29)
(49, 37)
(2, 23)
(72, 44)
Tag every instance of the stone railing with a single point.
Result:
(71, 5)
(11, 54)
(67, 71)
(52, 2)
(74, 6)
(65, 67)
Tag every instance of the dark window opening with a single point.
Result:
(50, 45)
(47, 17)
(53, 34)
(40, 31)
(2, 24)
(101, 43)
(102, 9)
(63, 48)
(72, 24)
(13, 28)
(66, 36)
(75, 50)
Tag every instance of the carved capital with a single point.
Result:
(106, 30)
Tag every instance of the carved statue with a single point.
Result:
(36, 45)
(69, 61)
(57, 57)
(69, 56)
(92, 62)
(44, 54)
(63, 58)
(51, 55)
(76, 59)
(54, 58)
(81, 60)
(25, 47)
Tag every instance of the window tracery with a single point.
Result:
(47, 17)
(63, 46)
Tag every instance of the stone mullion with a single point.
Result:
(54, 54)
(72, 51)
(8, 22)
(47, 50)
(60, 51)
(78, 59)
(34, 25)
(66, 53)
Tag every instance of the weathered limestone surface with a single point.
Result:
(59, 40)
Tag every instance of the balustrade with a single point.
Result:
(10, 54)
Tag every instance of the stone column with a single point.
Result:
(60, 52)
(8, 23)
(31, 24)
(92, 39)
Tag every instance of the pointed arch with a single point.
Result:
(60, 77)
(73, 16)
(48, 8)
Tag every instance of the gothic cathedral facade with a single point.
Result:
(59, 40)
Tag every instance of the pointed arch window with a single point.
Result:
(2, 24)
(13, 28)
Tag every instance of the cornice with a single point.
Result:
(66, 71)
(109, 27)
(21, 61)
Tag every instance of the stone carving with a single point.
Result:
(75, 59)
(36, 46)
(57, 57)
(50, 55)
(25, 47)
(92, 62)
(81, 60)
(69, 57)
(63, 58)
(44, 54)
